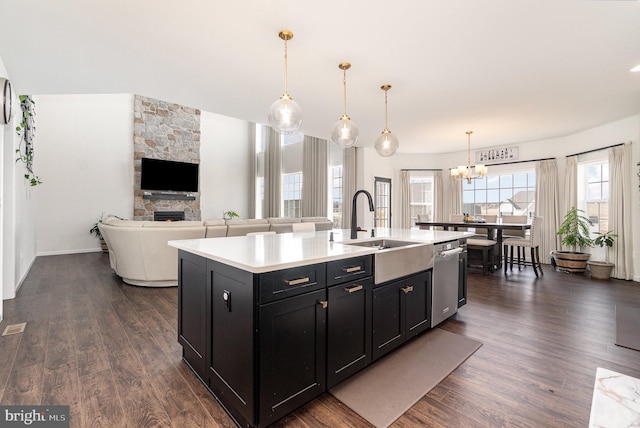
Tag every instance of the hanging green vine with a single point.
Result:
(27, 132)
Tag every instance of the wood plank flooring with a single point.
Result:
(110, 351)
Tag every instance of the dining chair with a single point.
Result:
(518, 219)
(486, 246)
(489, 218)
(532, 242)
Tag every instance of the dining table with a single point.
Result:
(494, 230)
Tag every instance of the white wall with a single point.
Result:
(225, 158)
(84, 156)
(18, 212)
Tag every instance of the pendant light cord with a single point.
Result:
(344, 82)
(286, 91)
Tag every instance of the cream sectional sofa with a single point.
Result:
(138, 250)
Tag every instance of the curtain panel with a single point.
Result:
(405, 197)
(315, 159)
(620, 210)
(547, 206)
(570, 187)
(438, 197)
(348, 184)
(272, 174)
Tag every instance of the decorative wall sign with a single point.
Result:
(499, 154)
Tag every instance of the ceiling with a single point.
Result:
(511, 71)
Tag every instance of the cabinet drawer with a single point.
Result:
(340, 271)
(291, 282)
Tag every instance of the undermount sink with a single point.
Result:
(383, 244)
(396, 259)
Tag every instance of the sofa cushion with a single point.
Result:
(242, 227)
(282, 224)
(115, 221)
(322, 223)
(216, 228)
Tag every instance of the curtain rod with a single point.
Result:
(596, 150)
(522, 161)
(419, 169)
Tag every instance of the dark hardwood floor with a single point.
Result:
(110, 351)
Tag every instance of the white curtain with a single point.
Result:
(547, 206)
(252, 170)
(272, 174)
(570, 187)
(620, 210)
(438, 197)
(405, 196)
(570, 183)
(453, 188)
(348, 184)
(315, 160)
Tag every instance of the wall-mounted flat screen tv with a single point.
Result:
(159, 174)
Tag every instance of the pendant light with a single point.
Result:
(285, 115)
(387, 143)
(345, 132)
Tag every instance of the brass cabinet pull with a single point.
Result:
(353, 289)
(407, 289)
(297, 281)
(352, 269)
(324, 304)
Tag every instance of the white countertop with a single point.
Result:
(265, 253)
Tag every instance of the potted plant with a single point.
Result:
(602, 269)
(95, 230)
(228, 215)
(574, 231)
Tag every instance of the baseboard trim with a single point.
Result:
(63, 252)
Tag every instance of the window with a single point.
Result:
(292, 194)
(383, 202)
(501, 194)
(593, 193)
(421, 197)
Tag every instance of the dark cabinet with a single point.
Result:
(348, 329)
(192, 310)
(292, 354)
(401, 310)
(462, 279)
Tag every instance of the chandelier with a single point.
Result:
(465, 171)
(285, 115)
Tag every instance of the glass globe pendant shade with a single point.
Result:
(285, 115)
(386, 143)
(345, 132)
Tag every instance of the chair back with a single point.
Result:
(514, 219)
(490, 218)
(423, 218)
(303, 227)
(457, 218)
(536, 231)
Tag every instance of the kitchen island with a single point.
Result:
(269, 322)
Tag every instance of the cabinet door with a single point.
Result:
(388, 322)
(462, 280)
(230, 351)
(348, 329)
(192, 310)
(417, 295)
(292, 354)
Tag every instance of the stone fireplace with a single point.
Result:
(166, 131)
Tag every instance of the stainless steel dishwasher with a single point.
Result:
(444, 294)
